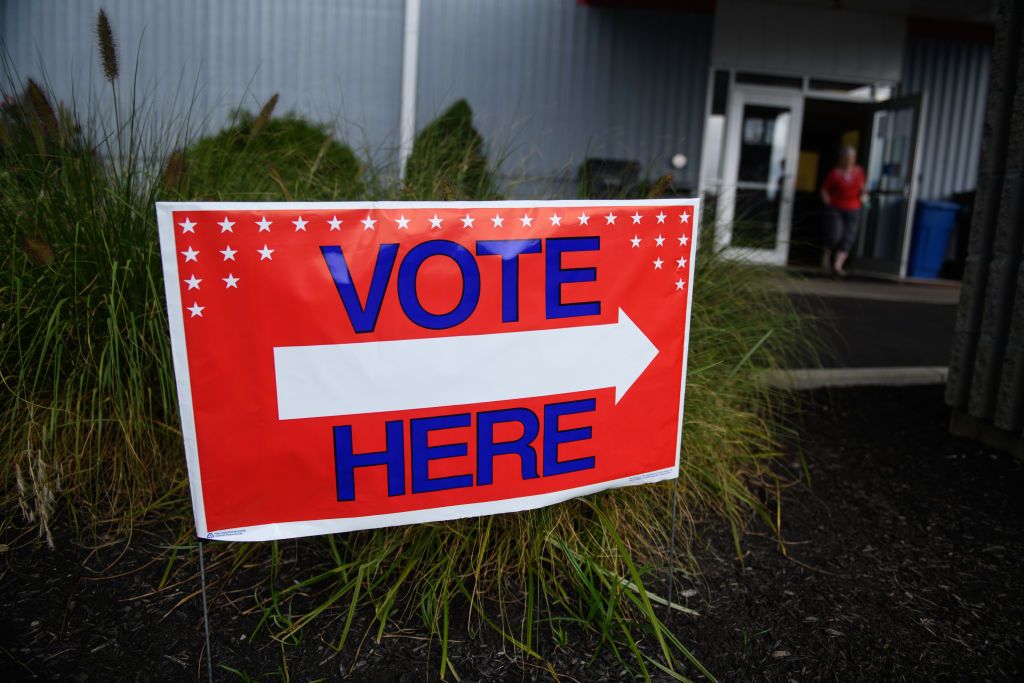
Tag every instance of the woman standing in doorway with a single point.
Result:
(843, 194)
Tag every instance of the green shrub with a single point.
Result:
(447, 159)
(88, 401)
(264, 158)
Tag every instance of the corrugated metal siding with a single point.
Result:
(330, 61)
(551, 83)
(954, 77)
(986, 373)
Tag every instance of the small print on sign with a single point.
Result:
(347, 366)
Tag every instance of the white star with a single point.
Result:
(335, 223)
(188, 226)
(584, 218)
(684, 218)
(681, 262)
(265, 253)
(526, 221)
(403, 222)
(635, 241)
(196, 310)
(300, 224)
(555, 220)
(661, 216)
(636, 218)
(682, 240)
(467, 221)
(659, 240)
(497, 221)
(231, 281)
(226, 225)
(190, 255)
(229, 253)
(657, 263)
(264, 224)
(610, 219)
(193, 282)
(679, 284)
(435, 223)
(368, 223)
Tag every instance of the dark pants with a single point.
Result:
(841, 228)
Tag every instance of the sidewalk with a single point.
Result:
(870, 332)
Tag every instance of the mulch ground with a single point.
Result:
(904, 561)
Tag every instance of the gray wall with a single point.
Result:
(551, 82)
(986, 371)
(554, 82)
(954, 76)
(330, 61)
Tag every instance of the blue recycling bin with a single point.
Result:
(933, 224)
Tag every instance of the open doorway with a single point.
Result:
(828, 125)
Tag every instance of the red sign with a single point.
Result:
(348, 366)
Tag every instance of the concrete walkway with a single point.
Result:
(940, 292)
(871, 332)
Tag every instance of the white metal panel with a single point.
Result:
(954, 74)
(552, 82)
(329, 61)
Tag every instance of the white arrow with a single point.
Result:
(372, 377)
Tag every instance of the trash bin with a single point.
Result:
(933, 225)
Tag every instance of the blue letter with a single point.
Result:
(486, 449)
(393, 458)
(423, 453)
(407, 284)
(509, 251)
(553, 437)
(363, 318)
(556, 276)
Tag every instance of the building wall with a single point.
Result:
(330, 61)
(552, 83)
(985, 386)
(801, 40)
(953, 75)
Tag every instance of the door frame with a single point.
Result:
(739, 96)
(862, 265)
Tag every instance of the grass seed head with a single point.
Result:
(38, 250)
(108, 48)
(261, 120)
(660, 186)
(41, 109)
(174, 170)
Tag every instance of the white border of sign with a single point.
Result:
(267, 532)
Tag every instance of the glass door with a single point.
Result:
(762, 141)
(886, 222)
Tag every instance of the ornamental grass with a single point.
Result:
(89, 418)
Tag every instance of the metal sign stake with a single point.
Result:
(206, 612)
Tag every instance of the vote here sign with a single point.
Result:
(345, 366)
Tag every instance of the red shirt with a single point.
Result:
(844, 190)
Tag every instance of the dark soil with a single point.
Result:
(904, 559)
(903, 562)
